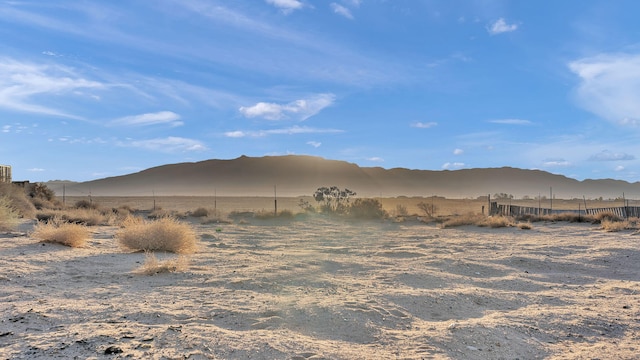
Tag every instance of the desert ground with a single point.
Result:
(322, 287)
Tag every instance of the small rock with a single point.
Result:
(112, 350)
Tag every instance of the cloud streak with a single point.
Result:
(295, 130)
(298, 110)
(159, 118)
(169, 144)
(609, 86)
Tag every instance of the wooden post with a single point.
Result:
(64, 191)
(275, 201)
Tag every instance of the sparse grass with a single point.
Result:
(153, 266)
(8, 215)
(60, 232)
(164, 234)
(496, 222)
(18, 200)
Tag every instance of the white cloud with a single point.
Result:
(458, 152)
(556, 163)
(610, 86)
(422, 125)
(607, 155)
(315, 144)
(452, 166)
(341, 10)
(376, 159)
(286, 6)
(501, 26)
(170, 144)
(619, 168)
(299, 109)
(36, 170)
(21, 82)
(6, 128)
(511, 121)
(162, 117)
(285, 131)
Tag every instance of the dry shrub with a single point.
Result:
(462, 220)
(200, 212)
(496, 222)
(61, 232)
(266, 215)
(89, 217)
(524, 226)
(367, 209)
(18, 200)
(153, 266)
(615, 226)
(8, 215)
(216, 217)
(164, 234)
(606, 216)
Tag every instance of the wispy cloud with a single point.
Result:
(163, 117)
(424, 125)
(511, 121)
(556, 163)
(169, 144)
(452, 166)
(286, 131)
(607, 155)
(458, 152)
(315, 144)
(341, 10)
(375, 159)
(610, 86)
(500, 26)
(286, 6)
(22, 82)
(298, 110)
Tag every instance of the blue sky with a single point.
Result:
(91, 89)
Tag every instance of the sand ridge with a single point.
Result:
(325, 288)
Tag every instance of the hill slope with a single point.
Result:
(295, 175)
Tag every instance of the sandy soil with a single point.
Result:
(328, 289)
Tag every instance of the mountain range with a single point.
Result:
(295, 175)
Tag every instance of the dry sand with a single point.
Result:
(328, 289)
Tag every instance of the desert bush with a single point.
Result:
(266, 215)
(200, 212)
(333, 199)
(606, 216)
(401, 210)
(615, 226)
(85, 204)
(18, 200)
(153, 266)
(89, 217)
(42, 191)
(524, 226)
(367, 209)
(216, 217)
(9, 217)
(496, 221)
(61, 232)
(164, 234)
(462, 220)
(428, 209)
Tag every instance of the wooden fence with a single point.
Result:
(516, 210)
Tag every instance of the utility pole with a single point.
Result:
(275, 201)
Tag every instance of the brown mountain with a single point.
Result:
(295, 175)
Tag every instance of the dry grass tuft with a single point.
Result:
(164, 234)
(153, 266)
(606, 216)
(462, 220)
(60, 232)
(615, 226)
(496, 222)
(524, 226)
(8, 215)
(85, 216)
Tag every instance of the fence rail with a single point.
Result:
(516, 210)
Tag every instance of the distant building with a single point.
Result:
(5, 174)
